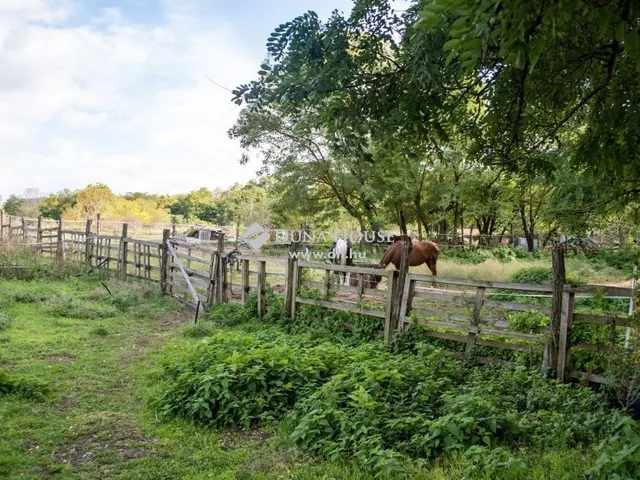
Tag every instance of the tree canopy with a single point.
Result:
(455, 108)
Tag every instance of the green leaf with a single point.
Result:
(451, 44)
(536, 48)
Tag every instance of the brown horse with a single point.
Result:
(421, 252)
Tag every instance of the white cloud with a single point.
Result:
(120, 103)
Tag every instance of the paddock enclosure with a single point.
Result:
(471, 318)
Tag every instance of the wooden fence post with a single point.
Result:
(221, 280)
(407, 300)
(478, 301)
(564, 344)
(392, 285)
(39, 234)
(1, 224)
(327, 284)
(295, 283)
(24, 230)
(211, 294)
(245, 281)
(97, 224)
(124, 248)
(398, 290)
(87, 242)
(164, 261)
(262, 287)
(289, 289)
(60, 245)
(551, 351)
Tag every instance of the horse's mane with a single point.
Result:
(387, 255)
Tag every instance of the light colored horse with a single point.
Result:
(341, 254)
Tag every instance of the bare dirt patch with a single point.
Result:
(121, 443)
(242, 438)
(180, 317)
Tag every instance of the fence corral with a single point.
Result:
(471, 315)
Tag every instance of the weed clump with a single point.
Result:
(380, 409)
(5, 322)
(71, 307)
(24, 387)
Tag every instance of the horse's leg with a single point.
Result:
(431, 263)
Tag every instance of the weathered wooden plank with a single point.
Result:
(342, 268)
(146, 243)
(183, 301)
(258, 258)
(446, 325)
(593, 347)
(605, 289)
(529, 337)
(591, 377)
(509, 346)
(482, 283)
(492, 361)
(262, 287)
(446, 336)
(193, 246)
(340, 306)
(517, 306)
(445, 297)
(192, 272)
(600, 320)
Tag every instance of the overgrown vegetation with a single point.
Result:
(388, 412)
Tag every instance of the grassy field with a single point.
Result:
(96, 355)
(85, 361)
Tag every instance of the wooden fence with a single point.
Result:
(472, 317)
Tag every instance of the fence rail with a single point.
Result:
(470, 316)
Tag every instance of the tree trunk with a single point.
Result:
(528, 228)
(402, 220)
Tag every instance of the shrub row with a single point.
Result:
(386, 410)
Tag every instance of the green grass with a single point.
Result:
(97, 355)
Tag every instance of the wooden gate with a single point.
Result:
(190, 273)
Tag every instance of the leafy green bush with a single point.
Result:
(622, 259)
(527, 322)
(238, 380)
(492, 462)
(28, 388)
(619, 454)
(533, 275)
(504, 253)
(540, 276)
(199, 330)
(380, 409)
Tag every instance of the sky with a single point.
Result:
(115, 91)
